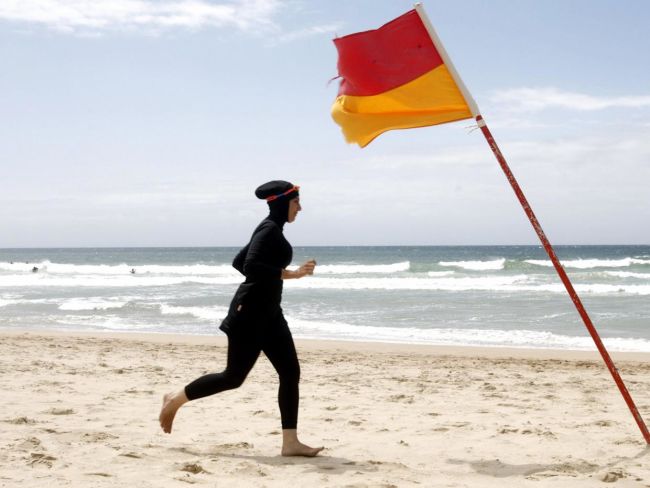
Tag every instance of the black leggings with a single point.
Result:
(278, 346)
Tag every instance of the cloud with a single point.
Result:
(538, 99)
(97, 16)
(469, 155)
(590, 159)
(307, 32)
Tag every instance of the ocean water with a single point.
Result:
(476, 295)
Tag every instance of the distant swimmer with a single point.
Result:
(34, 269)
(132, 270)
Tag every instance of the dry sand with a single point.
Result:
(81, 410)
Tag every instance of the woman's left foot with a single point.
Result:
(168, 411)
(300, 449)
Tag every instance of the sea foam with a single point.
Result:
(591, 263)
(93, 303)
(121, 269)
(495, 264)
(362, 268)
(493, 283)
(459, 337)
(204, 313)
(628, 274)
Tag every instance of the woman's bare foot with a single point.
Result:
(291, 446)
(300, 449)
(171, 403)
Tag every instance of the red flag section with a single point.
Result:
(379, 60)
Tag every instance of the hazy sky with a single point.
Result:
(151, 122)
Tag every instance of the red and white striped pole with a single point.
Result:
(563, 276)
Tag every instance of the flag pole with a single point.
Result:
(565, 279)
(536, 225)
(447, 60)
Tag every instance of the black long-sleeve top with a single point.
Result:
(261, 261)
(266, 255)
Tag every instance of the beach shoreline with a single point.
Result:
(82, 410)
(220, 339)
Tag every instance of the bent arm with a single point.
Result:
(238, 262)
(306, 269)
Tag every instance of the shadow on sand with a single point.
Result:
(499, 469)
(321, 463)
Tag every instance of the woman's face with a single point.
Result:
(294, 208)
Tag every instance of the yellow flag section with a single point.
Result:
(394, 78)
(431, 99)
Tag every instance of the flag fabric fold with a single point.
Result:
(394, 78)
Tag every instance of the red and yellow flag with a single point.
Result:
(394, 78)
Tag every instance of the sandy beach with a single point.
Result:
(81, 410)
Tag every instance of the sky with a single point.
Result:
(151, 123)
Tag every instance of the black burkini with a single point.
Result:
(255, 322)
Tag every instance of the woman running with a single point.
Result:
(255, 322)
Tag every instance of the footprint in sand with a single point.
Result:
(135, 391)
(488, 387)
(612, 475)
(193, 468)
(40, 459)
(20, 421)
(29, 444)
(61, 411)
(603, 423)
(401, 398)
(134, 455)
(98, 436)
(234, 446)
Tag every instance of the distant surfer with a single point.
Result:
(35, 269)
(255, 322)
(132, 270)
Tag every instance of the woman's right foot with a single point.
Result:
(299, 449)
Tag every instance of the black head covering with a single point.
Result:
(276, 190)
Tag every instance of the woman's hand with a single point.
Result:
(307, 268)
